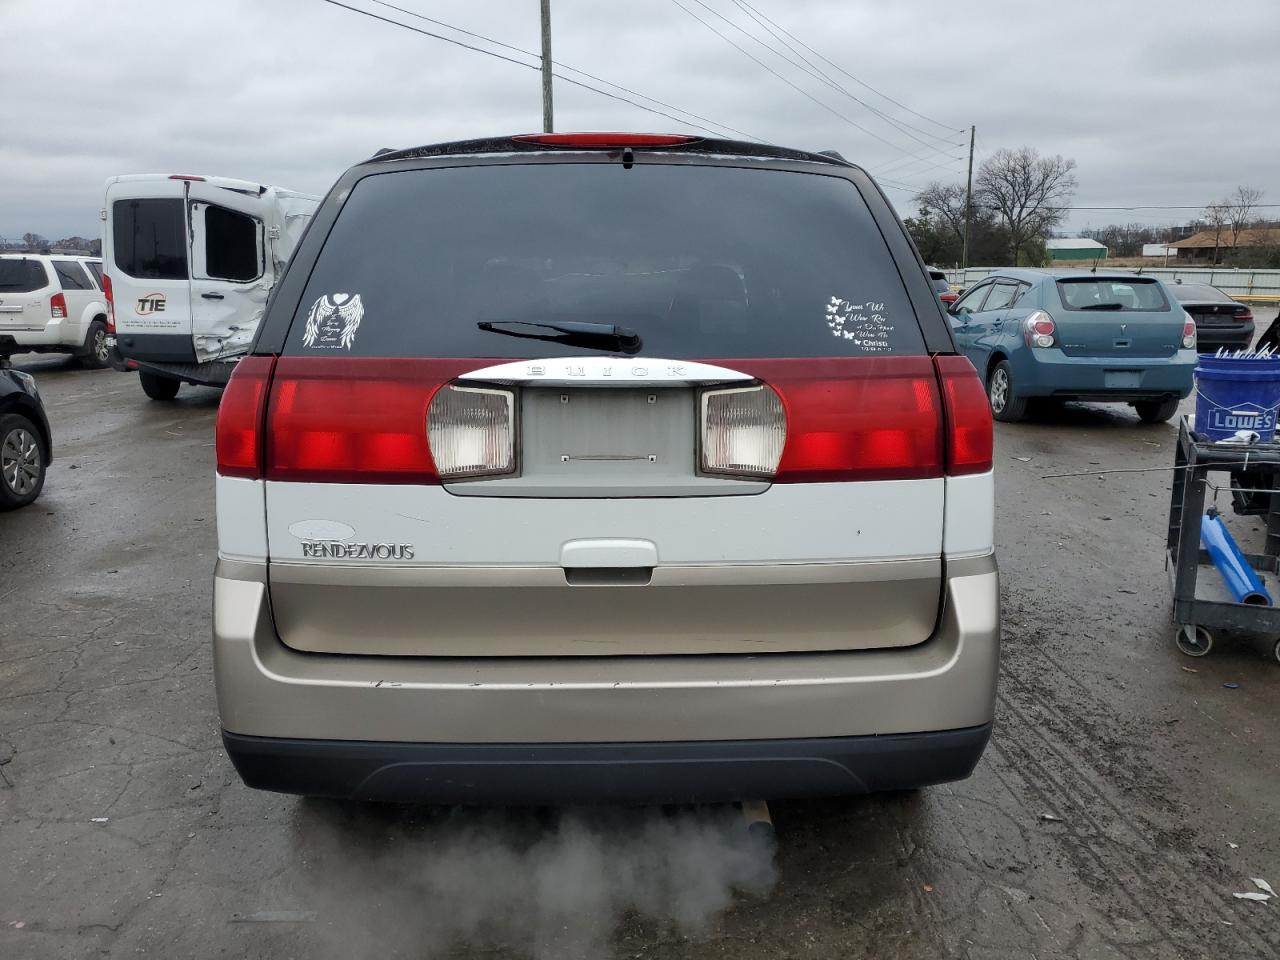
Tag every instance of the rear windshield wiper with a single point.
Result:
(1103, 306)
(599, 336)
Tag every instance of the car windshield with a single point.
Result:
(1131, 294)
(699, 261)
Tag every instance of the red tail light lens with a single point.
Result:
(968, 412)
(1188, 333)
(948, 297)
(603, 141)
(58, 307)
(111, 303)
(865, 418)
(239, 433)
(354, 420)
(1244, 315)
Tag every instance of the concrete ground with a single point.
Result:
(1127, 793)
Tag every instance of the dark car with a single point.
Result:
(940, 285)
(1220, 321)
(25, 443)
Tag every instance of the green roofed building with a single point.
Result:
(1075, 248)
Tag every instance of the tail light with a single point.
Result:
(742, 431)
(969, 430)
(58, 307)
(471, 432)
(1038, 330)
(353, 420)
(604, 141)
(111, 303)
(1188, 332)
(948, 297)
(1245, 315)
(875, 418)
(238, 437)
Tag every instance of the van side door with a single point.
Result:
(231, 273)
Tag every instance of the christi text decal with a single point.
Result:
(150, 303)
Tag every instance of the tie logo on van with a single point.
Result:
(150, 303)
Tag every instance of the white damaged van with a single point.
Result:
(190, 261)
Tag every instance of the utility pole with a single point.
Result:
(547, 125)
(968, 209)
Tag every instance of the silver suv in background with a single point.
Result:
(54, 304)
(604, 467)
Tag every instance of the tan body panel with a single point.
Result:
(523, 611)
(267, 689)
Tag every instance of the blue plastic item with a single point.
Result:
(1237, 394)
(1241, 579)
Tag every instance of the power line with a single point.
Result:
(803, 92)
(818, 73)
(565, 66)
(520, 63)
(861, 83)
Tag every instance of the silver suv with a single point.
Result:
(604, 467)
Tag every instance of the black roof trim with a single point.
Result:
(509, 145)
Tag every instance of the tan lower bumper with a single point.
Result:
(267, 689)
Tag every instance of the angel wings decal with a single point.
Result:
(333, 322)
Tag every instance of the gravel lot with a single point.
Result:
(1161, 782)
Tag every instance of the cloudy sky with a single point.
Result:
(1159, 103)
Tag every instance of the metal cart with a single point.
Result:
(1201, 604)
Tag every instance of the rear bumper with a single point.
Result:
(831, 721)
(683, 772)
(1051, 373)
(1209, 338)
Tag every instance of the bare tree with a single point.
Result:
(1217, 217)
(943, 203)
(34, 242)
(1027, 193)
(1240, 207)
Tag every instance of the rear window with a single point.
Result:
(22, 276)
(940, 285)
(95, 268)
(150, 238)
(1186, 292)
(1117, 295)
(700, 261)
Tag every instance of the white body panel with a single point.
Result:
(789, 523)
(970, 516)
(242, 520)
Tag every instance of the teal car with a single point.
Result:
(1067, 335)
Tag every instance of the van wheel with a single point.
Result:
(157, 387)
(94, 353)
(1005, 405)
(1156, 411)
(22, 461)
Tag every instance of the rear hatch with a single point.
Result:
(468, 453)
(1121, 317)
(25, 292)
